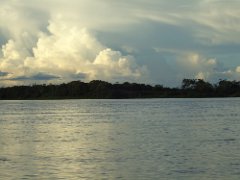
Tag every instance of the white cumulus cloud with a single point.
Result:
(67, 52)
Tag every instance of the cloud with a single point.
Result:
(81, 76)
(153, 41)
(3, 73)
(238, 69)
(36, 77)
(114, 65)
(69, 52)
(194, 65)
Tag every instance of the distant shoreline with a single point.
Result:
(195, 98)
(97, 89)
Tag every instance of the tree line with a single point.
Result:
(97, 89)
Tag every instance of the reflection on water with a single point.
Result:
(120, 139)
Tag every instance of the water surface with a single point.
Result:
(120, 139)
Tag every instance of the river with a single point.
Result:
(120, 139)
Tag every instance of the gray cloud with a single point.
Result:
(3, 73)
(79, 76)
(37, 77)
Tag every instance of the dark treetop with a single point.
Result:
(191, 88)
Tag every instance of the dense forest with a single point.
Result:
(96, 89)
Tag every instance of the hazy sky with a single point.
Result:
(150, 41)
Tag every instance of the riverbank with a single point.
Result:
(97, 89)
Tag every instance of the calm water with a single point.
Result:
(120, 139)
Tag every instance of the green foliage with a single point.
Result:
(197, 88)
(225, 87)
(100, 89)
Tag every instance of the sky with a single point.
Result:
(144, 41)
